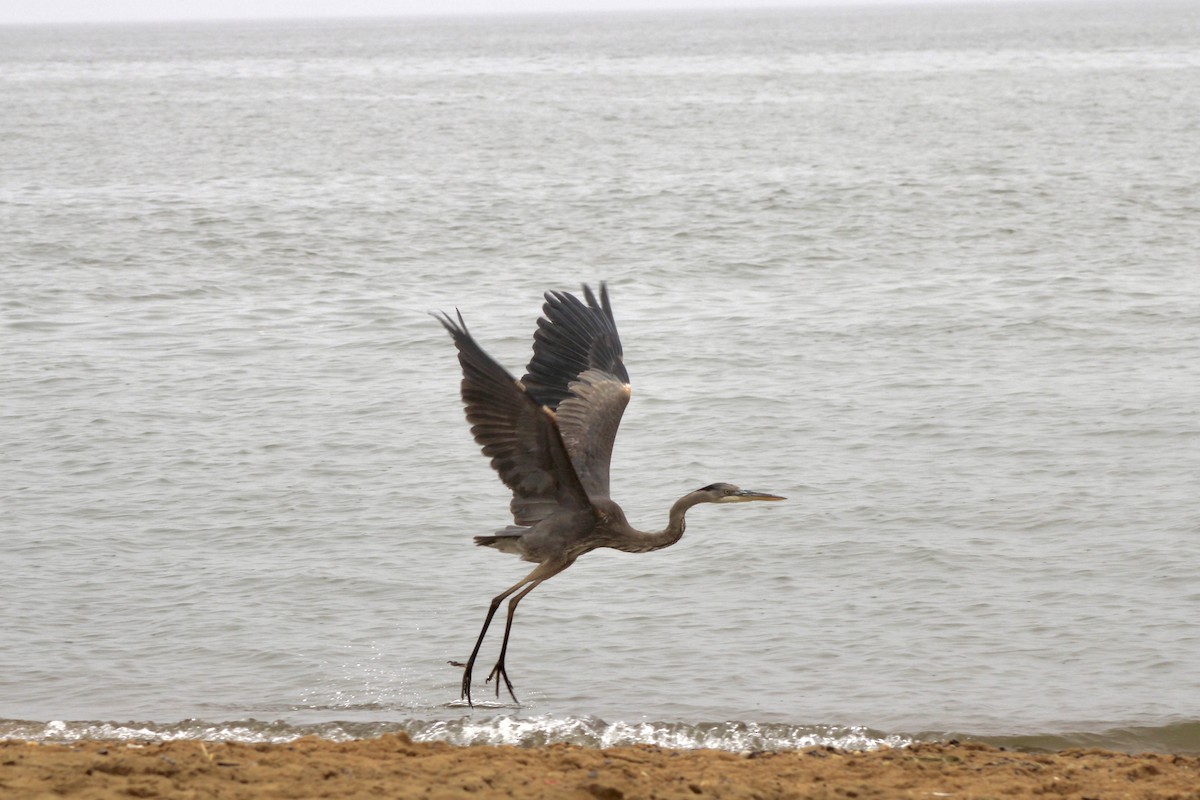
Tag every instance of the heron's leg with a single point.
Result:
(543, 571)
(496, 601)
(498, 671)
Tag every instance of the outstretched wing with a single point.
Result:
(577, 369)
(519, 435)
(572, 338)
(588, 420)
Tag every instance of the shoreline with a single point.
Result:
(394, 766)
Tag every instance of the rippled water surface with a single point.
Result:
(932, 274)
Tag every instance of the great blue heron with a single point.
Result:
(550, 437)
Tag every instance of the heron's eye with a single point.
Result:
(729, 491)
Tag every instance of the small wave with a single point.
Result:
(1179, 737)
(593, 732)
(501, 730)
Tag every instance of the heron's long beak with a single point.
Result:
(746, 496)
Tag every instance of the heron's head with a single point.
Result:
(728, 493)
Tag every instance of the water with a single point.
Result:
(930, 273)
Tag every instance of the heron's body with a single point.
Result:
(574, 533)
(550, 438)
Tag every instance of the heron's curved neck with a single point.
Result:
(647, 542)
(675, 522)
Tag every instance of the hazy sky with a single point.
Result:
(21, 11)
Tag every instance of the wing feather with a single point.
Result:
(578, 369)
(518, 434)
(572, 337)
(588, 420)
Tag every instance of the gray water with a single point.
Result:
(933, 274)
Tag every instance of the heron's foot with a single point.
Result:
(499, 673)
(466, 680)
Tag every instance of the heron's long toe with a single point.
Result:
(498, 672)
(466, 683)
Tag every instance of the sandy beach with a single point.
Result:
(394, 766)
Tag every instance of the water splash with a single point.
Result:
(500, 730)
(1176, 737)
(594, 732)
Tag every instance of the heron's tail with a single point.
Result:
(506, 541)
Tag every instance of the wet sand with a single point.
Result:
(393, 766)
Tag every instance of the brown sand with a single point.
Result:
(393, 766)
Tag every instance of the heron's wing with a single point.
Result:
(519, 435)
(577, 369)
(572, 337)
(588, 419)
